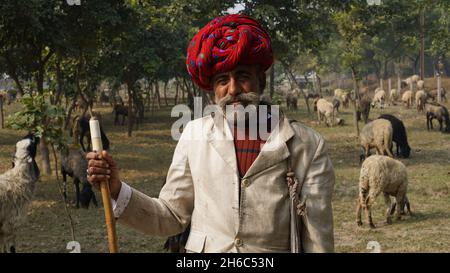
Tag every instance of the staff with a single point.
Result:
(104, 187)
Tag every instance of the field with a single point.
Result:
(145, 158)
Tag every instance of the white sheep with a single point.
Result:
(410, 80)
(420, 84)
(421, 99)
(16, 191)
(325, 110)
(343, 96)
(377, 134)
(378, 174)
(393, 95)
(379, 98)
(407, 98)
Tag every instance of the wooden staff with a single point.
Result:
(104, 187)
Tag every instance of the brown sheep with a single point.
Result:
(363, 109)
(432, 94)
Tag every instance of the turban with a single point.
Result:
(224, 43)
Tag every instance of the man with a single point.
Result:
(231, 190)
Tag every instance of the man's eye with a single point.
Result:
(222, 81)
(244, 77)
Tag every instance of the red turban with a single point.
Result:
(224, 43)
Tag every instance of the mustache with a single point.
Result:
(243, 98)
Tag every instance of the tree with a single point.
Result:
(295, 27)
(352, 27)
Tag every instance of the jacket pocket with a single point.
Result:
(195, 242)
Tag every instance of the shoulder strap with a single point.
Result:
(296, 207)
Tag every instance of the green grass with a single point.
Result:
(145, 158)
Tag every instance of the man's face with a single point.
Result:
(242, 85)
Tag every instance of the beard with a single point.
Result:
(233, 107)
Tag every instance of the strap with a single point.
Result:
(297, 208)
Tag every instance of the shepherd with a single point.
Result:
(238, 193)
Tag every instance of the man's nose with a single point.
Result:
(234, 88)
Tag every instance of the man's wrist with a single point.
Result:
(116, 190)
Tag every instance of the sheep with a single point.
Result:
(378, 174)
(291, 101)
(336, 103)
(393, 96)
(16, 191)
(81, 128)
(407, 98)
(420, 84)
(363, 109)
(74, 164)
(439, 112)
(380, 97)
(421, 99)
(377, 134)
(398, 135)
(312, 95)
(343, 96)
(324, 110)
(120, 110)
(432, 94)
(338, 92)
(410, 80)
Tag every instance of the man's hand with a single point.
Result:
(103, 168)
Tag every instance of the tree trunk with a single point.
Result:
(69, 113)
(59, 81)
(399, 84)
(183, 95)
(319, 84)
(157, 95)
(438, 99)
(272, 80)
(40, 81)
(2, 123)
(130, 109)
(356, 101)
(45, 155)
(177, 85)
(165, 93)
(422, 44)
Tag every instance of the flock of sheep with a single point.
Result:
(381, 173)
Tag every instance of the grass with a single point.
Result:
(145, 158)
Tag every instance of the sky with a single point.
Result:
(235, 9)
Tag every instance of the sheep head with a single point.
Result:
(26, 152)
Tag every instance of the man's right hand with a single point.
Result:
(101, 168)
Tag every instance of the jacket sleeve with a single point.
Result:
(317, 225)
(169, 214)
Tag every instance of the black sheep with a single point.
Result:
(399, 135)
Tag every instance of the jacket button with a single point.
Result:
(245, 183)
(238, 242)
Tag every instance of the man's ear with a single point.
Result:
(262, 81)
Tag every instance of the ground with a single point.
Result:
(145, 158)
